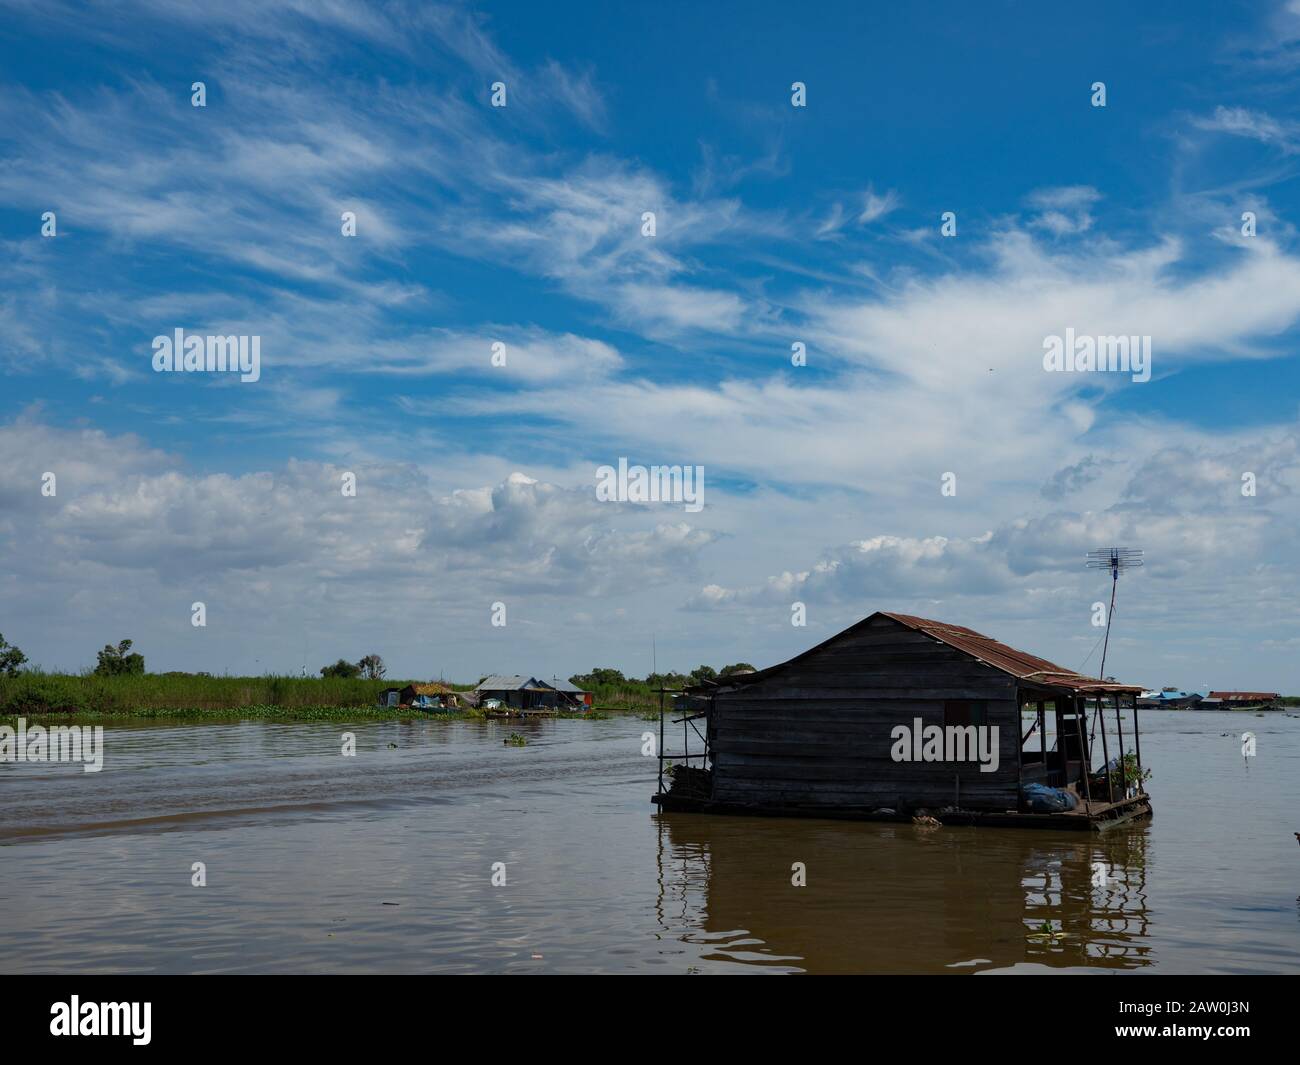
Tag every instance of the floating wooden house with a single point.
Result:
(1241, 701)
(578, 698)
(1169, 699)
(518, 694)
(900, 714)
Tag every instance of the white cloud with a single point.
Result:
(875, 207)
(265, 549)
(1210, 552)
(1255, 125)
(910, 379)
(911, 375)
(1065, 210)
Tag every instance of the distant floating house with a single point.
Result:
(1168, 699)
(518, 692)
(582, 699)
(1241, 701)
(431, 696)
(899, 713)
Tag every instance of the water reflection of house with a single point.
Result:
(845, 730)
(900, 899)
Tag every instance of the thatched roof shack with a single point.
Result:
(432, 694)
(899, 712)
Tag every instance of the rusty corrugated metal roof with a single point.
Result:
(1243, 695)
(1020, 664)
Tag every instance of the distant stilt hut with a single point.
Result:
(899, 714)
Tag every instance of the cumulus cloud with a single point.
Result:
(1210, 550)
(260, 548)
(876, 570)
(1069, 480)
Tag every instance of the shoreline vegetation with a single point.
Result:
(197, 697)
(119, 689)
(288, 715)
(194, 697)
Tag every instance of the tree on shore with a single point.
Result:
(118, 662)
(599, 676)
(342, 668)
(372, 667)
(671, 681)
(11, 659)
(702, 673)
(739, 667)
(668, 681)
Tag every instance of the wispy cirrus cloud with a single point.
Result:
(876, 206)
(1254, 125)
(1065, 210)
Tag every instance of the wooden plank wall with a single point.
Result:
(818, 733)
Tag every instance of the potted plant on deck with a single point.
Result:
(1128, 778)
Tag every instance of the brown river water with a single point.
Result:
(383, 862)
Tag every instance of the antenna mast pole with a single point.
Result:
(1115, 559)
(1110, 616)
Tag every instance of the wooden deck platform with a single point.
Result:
(1103, 817)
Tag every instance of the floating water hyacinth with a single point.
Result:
(1046, 934)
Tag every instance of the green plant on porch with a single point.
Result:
(1129, 771)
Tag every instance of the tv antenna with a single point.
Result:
(1117, 560)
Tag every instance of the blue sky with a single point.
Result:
(522, 225)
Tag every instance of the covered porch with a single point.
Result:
(1075, 737)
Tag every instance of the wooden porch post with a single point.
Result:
(1119, 726)
(661, 738)
(1137, 737)
(1042, 735)
(1078, 726)
(1105, 753)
